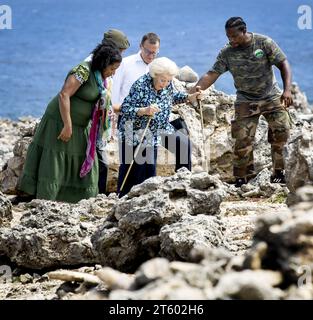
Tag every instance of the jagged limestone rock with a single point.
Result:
(5, 210)
(134, 230)
(54, 234)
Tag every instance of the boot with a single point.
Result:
(240, 181)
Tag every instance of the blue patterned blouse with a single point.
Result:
(142, 94)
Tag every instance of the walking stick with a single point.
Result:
(206, 167)
(135, 154)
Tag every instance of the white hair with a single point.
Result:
(161, 66)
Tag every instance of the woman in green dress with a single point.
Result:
(56, 166)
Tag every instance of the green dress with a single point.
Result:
(52, 167)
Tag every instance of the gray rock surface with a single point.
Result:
(288, 237)
(5, 210)
(186, 74)
(299, 158)
(52, 234)
(16, 139)
(136, 230)
(124, 232)
(278, 266)
(180, 238)
(249, 285)
(300, 101)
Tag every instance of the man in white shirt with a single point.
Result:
(134, 66)
(131, 69)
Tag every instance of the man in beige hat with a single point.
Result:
(116, 38)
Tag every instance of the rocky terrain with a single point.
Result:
(189, 235)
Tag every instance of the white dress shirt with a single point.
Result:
(131, 68)
(89, 58)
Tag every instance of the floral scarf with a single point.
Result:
(101, 123)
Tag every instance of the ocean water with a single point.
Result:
(49, 37)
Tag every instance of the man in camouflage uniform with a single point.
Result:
(249, 57)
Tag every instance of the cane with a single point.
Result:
(135, 154)
(206, 168)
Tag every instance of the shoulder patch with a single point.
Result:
(259, 53)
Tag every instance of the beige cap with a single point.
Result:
(118, 37)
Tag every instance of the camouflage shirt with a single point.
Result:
(251, 68)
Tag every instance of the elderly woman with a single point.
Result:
(148, 106)
(61, 163)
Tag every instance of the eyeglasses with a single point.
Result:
(149, 53)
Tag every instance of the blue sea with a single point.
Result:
(49, 37)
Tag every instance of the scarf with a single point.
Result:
(101, 123)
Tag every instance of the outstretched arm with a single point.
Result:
(285, 72)
(205, 81)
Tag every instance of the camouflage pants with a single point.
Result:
(243, 131)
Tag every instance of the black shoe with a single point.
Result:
(278, 177)
(239, 182)
(22, 198)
